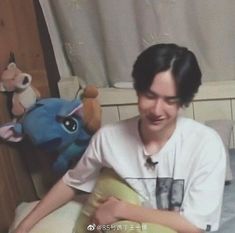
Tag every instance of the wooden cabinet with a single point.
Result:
(19, 34)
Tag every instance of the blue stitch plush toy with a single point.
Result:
(55, 124)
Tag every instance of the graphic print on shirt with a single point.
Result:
(169, 193)
(162, 192)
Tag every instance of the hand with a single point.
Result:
(107, 212)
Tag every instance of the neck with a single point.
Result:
(154, 141)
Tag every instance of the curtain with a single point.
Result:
(99, 40)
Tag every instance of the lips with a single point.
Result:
(155, 120)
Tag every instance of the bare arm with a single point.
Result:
(170, 219)
(56, 197)
(113, 210)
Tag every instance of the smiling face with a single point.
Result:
(159, 106)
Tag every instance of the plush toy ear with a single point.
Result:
(11, 132)
(11, 65)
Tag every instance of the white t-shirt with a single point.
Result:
(189, 176)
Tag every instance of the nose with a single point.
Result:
(25, 80)
(158, 106)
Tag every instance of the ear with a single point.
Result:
(11, 65)
(11, 132)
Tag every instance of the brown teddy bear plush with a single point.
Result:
(19, 83)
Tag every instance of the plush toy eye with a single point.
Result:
(70, 124)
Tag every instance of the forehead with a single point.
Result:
(164, 84)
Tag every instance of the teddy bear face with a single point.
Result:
(22, 81)
(13, 79)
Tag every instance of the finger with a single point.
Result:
(100, 198)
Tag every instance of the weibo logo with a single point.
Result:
(91, 227)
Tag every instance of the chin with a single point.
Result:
(160, 126)
(156, 127)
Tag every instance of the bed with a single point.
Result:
(214, 105)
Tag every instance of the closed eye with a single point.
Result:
(150, 95)
(170, 100)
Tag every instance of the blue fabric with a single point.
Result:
(55, 124)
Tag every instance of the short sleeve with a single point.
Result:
(203, 202)
(83, 176)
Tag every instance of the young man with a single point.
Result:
(176, 164)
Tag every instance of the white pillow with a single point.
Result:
(60, 221)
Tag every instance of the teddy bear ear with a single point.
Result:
(11, 65)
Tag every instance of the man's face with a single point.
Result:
(159, 106)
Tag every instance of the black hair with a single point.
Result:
(162, 57)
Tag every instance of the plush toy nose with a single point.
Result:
(26, 80)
